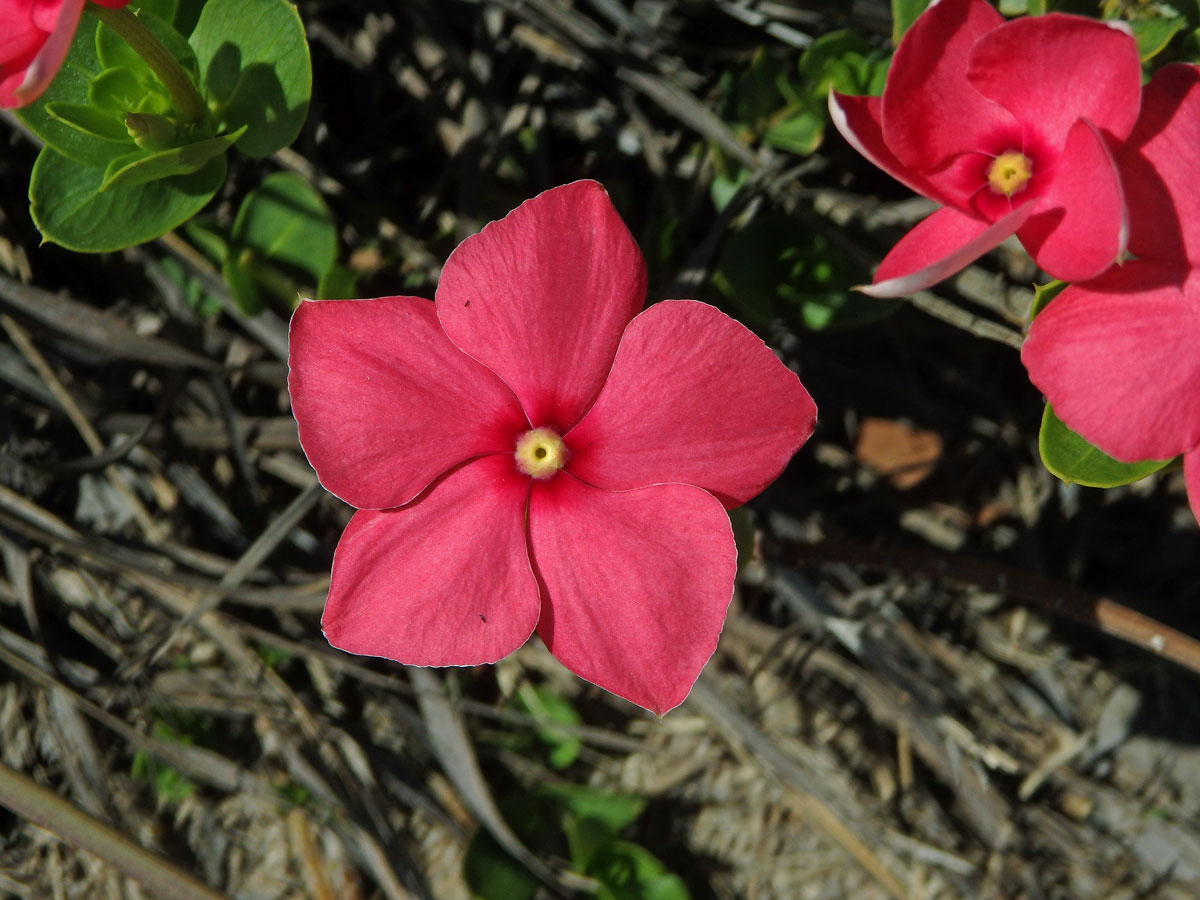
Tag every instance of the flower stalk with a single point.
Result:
(177, 82)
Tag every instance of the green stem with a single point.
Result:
(135, 33)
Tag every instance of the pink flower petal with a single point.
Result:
(541, 298)
(1119, 360)
(1082, 224)
(444, 581)
(940, 245)
(24, 85)
(385, 403)
(1160, 164)
(930, 110)
(858, 120)
(693, 397)
(1191, 476)
(637, 584)
(1053, 70)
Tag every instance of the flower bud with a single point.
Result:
(150, 131)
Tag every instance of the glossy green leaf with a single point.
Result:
(96, 123)
(70, 86)
(204, 234)
(285, 220)
(1153, 35)
(1074, 460)
(69, 208)
(141, 167)
(255, 69)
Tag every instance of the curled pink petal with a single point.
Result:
(1055, 69)
(637, 584)
(445, 581)
(23, 77)
(541, 298)
(385, 403)
(693, 397)
(1159, 165)
(937, 247)
(1082, 225)
(859, 121)
(1119, 360)
(930, 111)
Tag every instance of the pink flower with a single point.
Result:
(529, 451)
(34, 38)
(1118, 357)
(1009, 126)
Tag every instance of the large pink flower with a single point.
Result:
(1118, 357)
(34, 38)
(1009, 126)
(529, 451)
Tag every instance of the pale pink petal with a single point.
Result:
(1191, 476)
(41, 70)
(1051, 71)
(1082, 224)
(858, 120)
(693, 397)
(937, 247)
(541, 298)
(1160, 164)
(444, 581)
(930, 111)
(637, 584)
(384, 401)
(1119, 360)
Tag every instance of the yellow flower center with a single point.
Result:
(1009, 173)
(540, 452)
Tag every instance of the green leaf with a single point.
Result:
(93, 122)
(70, 86)
(339, 283)
(1153, 35)
(844, 310)
(1043, 294)
(549, 708)
(628, 871)
(117, 90)
(904, 13)
(615, 812)
(800, 133)
(208, 238)
(240, 281)
(255, 67)
(69, 209)
(113, 52)
(845, 61)
(489, 871)
(164, 9)
(1074, 460)
(285, 220)
(141, 167)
